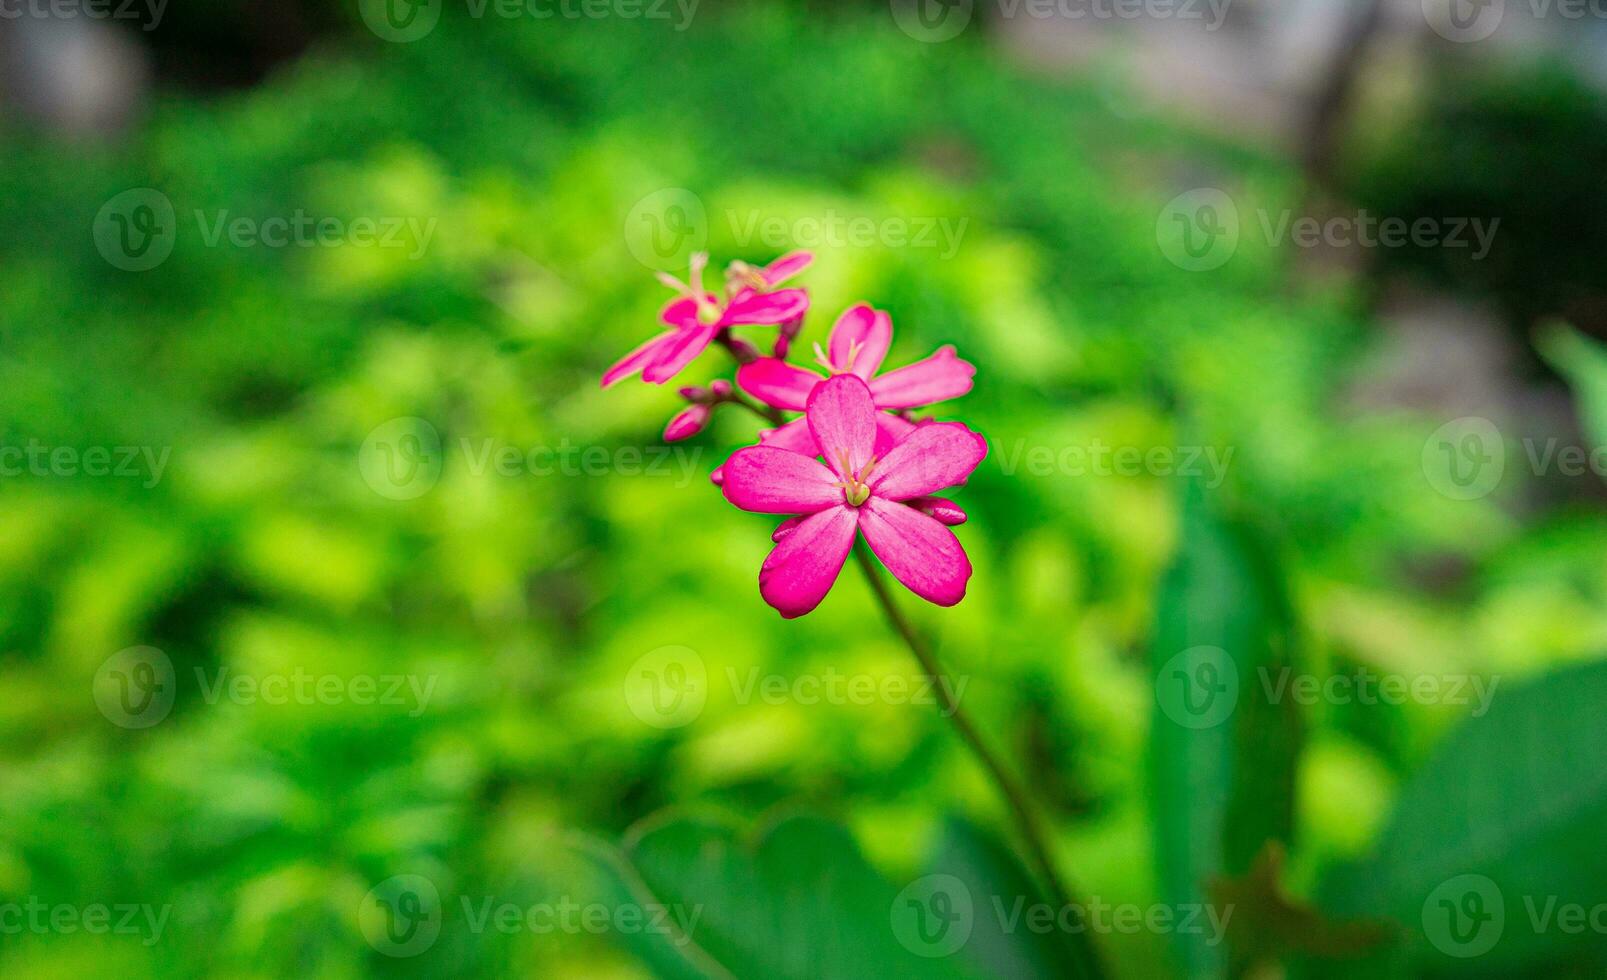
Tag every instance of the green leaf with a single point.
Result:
(1006, 939)
(798, 901)
(1584, 363)
(1222, 753)
(1497, 834)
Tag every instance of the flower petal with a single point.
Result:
(764, 308)
(775, 382)
(865, 331)
(794, 436)
(919, 551)
(933, 457)
(935, 379)
(682, 312)
(687, 423)
(767, 480)
(639, 358)
(940, 509)
(787, 266)
(803, 565)
(890, 431)
(680, 351)
(785, 528)
(843, 421)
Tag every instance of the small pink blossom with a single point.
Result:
(884, 496)
(858, 345)
(697, 317)
(695, 417)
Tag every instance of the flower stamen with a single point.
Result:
(708, 311)
(856, 485)
(825, 361)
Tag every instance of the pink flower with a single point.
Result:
(698, 316)
(692, 419)
(885, 498)
(858, 344)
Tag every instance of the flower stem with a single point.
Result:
(766, 412)
(1015, 797)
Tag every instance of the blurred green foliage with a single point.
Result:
(1474, 147)
(526, 600)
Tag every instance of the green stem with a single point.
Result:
(1015, 797)
(768, 413)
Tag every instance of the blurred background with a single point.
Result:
(348, 628)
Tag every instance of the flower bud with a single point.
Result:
(687, 423)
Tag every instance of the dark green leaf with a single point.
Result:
(799, 901)
(1499, 836)
(1008, 939)
(1222, 753)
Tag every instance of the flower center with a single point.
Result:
(708, 311)
(824, 359)
(856, 485)
(739, 275)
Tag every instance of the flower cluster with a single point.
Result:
(856, 462)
